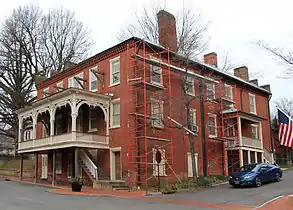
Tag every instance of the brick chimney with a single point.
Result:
(167, 30)
(211, 59)
(242, 72)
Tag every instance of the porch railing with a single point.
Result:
(246, 141)
(87, 138)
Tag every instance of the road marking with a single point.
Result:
(30, 200)
(276, 198)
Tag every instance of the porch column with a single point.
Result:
(241, 157)
(239, 131)
(225, 165)
(53, 168)
(76, 165)
(20, 129)
(52, 128)
(35, 118)
(255, 156)
(260, 134)
(74, 114)
(21, 167)
(36, 166)
(248, 155)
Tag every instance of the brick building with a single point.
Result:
(107, 117)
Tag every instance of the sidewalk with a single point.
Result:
(282, 203)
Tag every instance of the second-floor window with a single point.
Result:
(115, 113)
(93, 118)
(189, 86)
(193, 119)
(229, 92)
(252, 105)
(93, 84)
(115, 71)
(254, 131)
(210, 91)
(157, 113)
(212, 125)
(72, 82)
(156, 75)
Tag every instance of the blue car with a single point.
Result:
(255, 174)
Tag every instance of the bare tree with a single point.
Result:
(284, 55)
(285, 104)
(191, 31)
(33, 43)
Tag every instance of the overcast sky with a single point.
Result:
(234, 26)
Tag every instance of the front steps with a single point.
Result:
(110, 184)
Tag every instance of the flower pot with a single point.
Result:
(76, 187)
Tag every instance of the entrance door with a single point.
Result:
(117, 166)
(44, 166)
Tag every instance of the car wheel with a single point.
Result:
(278, 177)
(258, 182)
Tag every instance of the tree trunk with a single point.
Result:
(191, 144)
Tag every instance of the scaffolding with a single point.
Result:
(149, 105)
(221, 98)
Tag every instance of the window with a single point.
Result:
(156, 74)
(157, 113)
(115, 113)
(93, 84)
(115, 71)
(44, 131)
(252, 104)
(58, 124)
(46, 92)
(59, 86)
(229, 92)
(189, 86)
(210, 91)
(212, 126)
(27, 135)
(254, 131)
(93, 118)
(58, 163)
(162, 164)
(193, 119)
(74, 83)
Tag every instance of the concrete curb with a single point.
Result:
(219, 184)
(268, 202)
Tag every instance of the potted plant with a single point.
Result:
(76, 184)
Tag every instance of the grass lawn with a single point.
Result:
(14, 164)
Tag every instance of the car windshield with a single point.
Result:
(248, 168)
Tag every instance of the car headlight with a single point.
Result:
(248, 176)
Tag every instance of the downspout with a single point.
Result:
(270, 123)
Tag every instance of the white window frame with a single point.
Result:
(193, 114)
(58, 162)
(115, 101)
(72, 81)
(190, 81)
(230, 98)
(60, 84)
(90, 120)
(189, 164)
(112, 61)
(256, 127)
(160, 123)
(213, 89)
(159, 70)
(254, 103)
(162, 165)
(215, 120)
(93, 78)
(46, 90)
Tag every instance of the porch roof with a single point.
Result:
(61, 94)
(246, 115)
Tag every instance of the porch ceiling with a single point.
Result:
(246, 115)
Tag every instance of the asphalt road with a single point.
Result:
(20, 196)
(225, 194)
